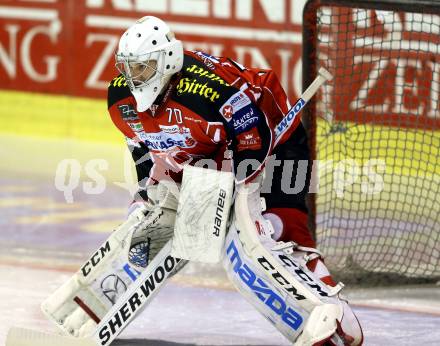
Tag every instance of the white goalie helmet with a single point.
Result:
(148, 55)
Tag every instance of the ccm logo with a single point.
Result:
(268, 267)
(303, 275)
(95, 259)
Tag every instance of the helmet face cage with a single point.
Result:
(140, 71)
(148, 55)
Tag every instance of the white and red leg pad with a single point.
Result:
(294, 321)
(291, 272)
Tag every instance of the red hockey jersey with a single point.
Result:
(213, 108)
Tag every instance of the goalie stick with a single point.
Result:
(117, 318)
(26, 337)
(286, 122)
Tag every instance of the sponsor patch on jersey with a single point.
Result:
(195, 87)
(227, 112)
(237, 101)
(245, 119)
(249, 140)
(207, 59)
(172, 129)
(136, 126)
(167, 139)
(128, 112)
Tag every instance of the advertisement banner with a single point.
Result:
(67, 46)
(387, 67)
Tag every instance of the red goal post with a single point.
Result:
(375, 131)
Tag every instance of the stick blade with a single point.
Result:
(27, 337)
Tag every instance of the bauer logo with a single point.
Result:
(262, 289)
(219, 212)
(287, 121)
(116, 323)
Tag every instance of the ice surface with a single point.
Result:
(186, 315)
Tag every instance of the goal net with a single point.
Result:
(375, 133)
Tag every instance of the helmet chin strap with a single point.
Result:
(163, 94)
(165, 82)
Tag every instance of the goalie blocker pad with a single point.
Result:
(202, 214)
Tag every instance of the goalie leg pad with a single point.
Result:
(276, 306)
(285, 266)
(298, 325)
(78, 305)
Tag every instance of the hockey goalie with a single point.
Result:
(213, 142)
